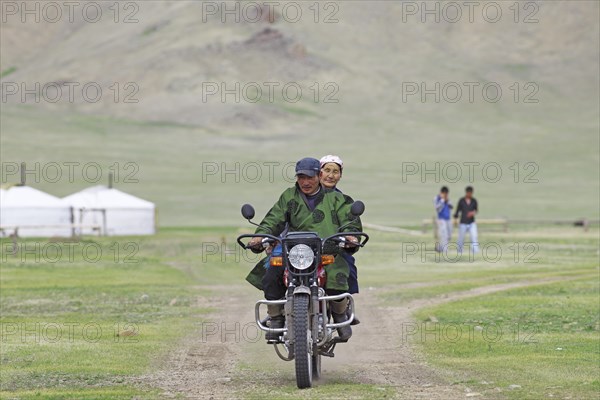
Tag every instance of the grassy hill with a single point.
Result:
(366, 61)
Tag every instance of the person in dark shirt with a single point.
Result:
(467, 208)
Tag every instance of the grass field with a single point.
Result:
(537, 342)
(78, 318)
(65, 325)
(199, 178)
(103, 318)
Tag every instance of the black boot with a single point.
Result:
(355, 321)
(277, 322)
(338, 312)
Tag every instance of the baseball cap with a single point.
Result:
(332, 159)
(308, 166)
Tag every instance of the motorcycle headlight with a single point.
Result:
(301, 256)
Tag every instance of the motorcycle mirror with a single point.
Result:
(248, 211)
(358, 208)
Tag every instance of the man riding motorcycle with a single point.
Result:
(309, 207)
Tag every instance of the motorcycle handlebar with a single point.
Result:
(344, 234)
(253, 235)
(323, 241)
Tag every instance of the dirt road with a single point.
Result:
(227, 357)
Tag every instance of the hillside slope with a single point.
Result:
(367, 61)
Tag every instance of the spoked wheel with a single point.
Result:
(302, 342)
(316, 363)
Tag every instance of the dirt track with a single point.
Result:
(223, 358)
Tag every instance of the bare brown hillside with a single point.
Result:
(175, 50)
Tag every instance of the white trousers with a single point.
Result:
(462, 230)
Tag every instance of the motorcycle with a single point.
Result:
(309, 331)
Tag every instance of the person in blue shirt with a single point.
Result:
(444, 227)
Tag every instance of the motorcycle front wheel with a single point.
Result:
(302, 341)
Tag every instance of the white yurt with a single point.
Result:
(111, 212)
(32, 213)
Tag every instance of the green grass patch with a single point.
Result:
(407, 268)
(150, 30)
(8, 71)
(543, 340)
(77, 315)
(111, 393)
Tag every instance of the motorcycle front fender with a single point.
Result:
(302, 289)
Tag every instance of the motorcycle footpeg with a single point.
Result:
(328, 349)
(327, 353)
(279, 340)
